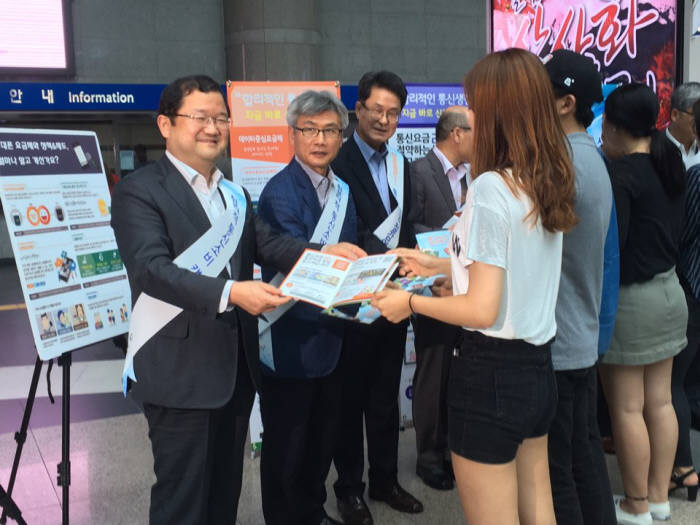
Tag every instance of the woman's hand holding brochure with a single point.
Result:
(415, 262)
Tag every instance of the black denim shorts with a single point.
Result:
(500, 392)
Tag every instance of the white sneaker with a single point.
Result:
(660, 511)
(627, 518)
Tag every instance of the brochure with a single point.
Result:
(328, 280)
(435, 243)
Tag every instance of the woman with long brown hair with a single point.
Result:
(505, 265)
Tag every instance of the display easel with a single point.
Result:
(9, 507)
(75, 266)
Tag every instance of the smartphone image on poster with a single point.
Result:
(82, 158)
(65, 271)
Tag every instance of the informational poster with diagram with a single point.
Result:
(57, 207)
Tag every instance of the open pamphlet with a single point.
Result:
(329, 280)
(343, 288)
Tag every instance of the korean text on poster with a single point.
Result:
(57, 207)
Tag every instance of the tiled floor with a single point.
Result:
(112, 472)
(112, 466)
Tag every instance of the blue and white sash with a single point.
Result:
(208, 256)
(327, 231)
(389, 231)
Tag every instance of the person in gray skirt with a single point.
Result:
(648, 180)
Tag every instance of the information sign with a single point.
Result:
(57, 207)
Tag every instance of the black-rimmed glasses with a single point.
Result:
(204, 120)
(309, 133)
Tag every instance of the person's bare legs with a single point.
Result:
(535, 505)
(624, 389)
(488, 493)
(660, 418)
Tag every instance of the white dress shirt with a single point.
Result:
(212, 202)
(690, 157)
(455, 174)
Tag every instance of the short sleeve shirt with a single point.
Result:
(493, 229)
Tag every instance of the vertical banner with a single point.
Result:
(629, 40)
(259, 139)
(415, 134)
(57, 207)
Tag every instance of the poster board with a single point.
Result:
(57, 207)
(415, 134)
(628, 40)
(259, 133)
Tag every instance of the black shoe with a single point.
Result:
(354, 511)
(435, 478)
(329, 521)
(398, 499)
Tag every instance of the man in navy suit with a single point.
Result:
(300, 389)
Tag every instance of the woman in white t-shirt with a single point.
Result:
(505, 266)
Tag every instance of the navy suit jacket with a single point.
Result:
(306, 343)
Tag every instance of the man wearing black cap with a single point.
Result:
(580, 485)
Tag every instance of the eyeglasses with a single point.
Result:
(392, 115)
(465, 128)
(204, 120)
(309, 133)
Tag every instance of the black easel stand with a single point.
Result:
(64, 466)
(10, 509)
(20, 438)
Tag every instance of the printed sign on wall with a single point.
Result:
(259, 138)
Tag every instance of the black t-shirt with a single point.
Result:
(650, 222)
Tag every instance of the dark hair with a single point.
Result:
(583, 113)
(173, 94)
(448, 121)
(382, 79)
(635, 108)
(516, 128)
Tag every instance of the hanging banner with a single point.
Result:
(415, 134)
(629, 40)
(57, 207)
(259, 138)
